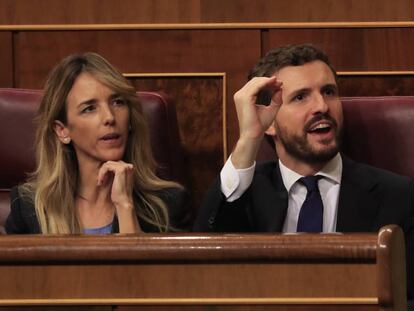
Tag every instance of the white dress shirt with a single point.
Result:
(235, 182)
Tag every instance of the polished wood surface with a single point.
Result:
(306, 11)
(200, 11)
(367, 49)
(257, 270)
(375, 85)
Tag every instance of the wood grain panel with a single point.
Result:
(199, 104)
(6, 59)
(369, 49)
(204, 11)
(376, 85)
(305, 11)
(98, 11)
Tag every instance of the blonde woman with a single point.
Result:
(95, 172)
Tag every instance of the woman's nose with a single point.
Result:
(107, 115)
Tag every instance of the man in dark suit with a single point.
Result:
(313, 187)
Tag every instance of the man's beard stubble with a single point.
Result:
(299, 147)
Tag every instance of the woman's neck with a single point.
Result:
(93, 203)
(88, 188)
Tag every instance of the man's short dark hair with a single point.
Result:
(288, 55)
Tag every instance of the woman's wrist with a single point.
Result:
(126, 206)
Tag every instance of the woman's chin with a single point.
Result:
(112, 157)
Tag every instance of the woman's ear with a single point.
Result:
(61, 132)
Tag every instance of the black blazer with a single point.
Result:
(23, 220)
(369, 198)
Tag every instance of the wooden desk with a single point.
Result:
(205, 272)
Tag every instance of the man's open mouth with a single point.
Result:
(320, 128)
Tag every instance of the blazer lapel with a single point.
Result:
(358, 202)
(270, 202)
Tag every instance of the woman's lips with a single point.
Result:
(112, 139)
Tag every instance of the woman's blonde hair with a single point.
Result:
(53, 185)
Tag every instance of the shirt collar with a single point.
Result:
(332, 170)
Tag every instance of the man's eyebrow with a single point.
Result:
(331, 85)
(298, 91)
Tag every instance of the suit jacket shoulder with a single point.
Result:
(371, 198)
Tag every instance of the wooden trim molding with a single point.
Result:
(384, 24)
(195, 301)
(375, 73)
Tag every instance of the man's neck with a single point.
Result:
(301, 167)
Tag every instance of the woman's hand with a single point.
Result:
(118, 176)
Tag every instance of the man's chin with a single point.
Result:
(311, 149)
(322, 155)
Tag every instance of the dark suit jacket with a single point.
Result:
(23, 220)
(369, 198)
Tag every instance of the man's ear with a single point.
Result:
(61, 131)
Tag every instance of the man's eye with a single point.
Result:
(329, 91)
(299, 97)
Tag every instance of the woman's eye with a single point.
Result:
(118, 102)
(87, 109)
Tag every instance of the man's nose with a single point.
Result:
(320, 104)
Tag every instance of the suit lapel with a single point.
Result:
(270, 202)
(358, 201)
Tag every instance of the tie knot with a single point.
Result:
(311, 182)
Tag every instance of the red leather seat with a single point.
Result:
(17, 129)
(377, 130)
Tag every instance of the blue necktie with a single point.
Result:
(311, 213)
